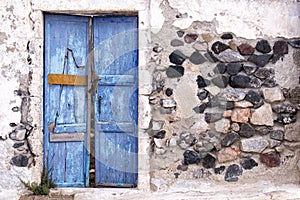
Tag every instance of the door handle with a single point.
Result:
(99, 104)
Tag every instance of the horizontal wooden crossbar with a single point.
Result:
(66, 79)
(66, 137)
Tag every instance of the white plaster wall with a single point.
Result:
(249, 19)
(22, 21)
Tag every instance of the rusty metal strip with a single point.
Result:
(66, 79)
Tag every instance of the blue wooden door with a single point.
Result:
(65, 116)
(116, 143)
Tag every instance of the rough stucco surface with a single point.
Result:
(257, 17)
(21, 67)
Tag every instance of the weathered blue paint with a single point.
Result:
(116, 140)
(115, 62)
(67, 162)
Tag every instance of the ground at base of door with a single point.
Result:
(256, 191)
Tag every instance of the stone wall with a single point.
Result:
(218, 89)
(224, 107)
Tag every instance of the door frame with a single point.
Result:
(90, 85)
(141, 9)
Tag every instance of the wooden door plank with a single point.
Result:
(116, 113)
(64, 103)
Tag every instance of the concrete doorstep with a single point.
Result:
(181, 191)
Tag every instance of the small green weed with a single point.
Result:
(40, 189)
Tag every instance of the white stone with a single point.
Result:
(222, 125)
(230, 56)
(200, 46)
(168, 103)
(157, 125)
(243, 104)
(145, 114)
(201, 125)
(256, 145)
(231, 94)
(212, 89)
(262, 115)
(160, 151)
(159, 184)
(158, 142)
(272, 94)
(172, 142)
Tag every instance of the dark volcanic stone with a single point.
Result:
(276, 57)
(240, 81)
(182, 167)
(255, 98)
(227, 36)
(221, 81)
(234, 68)
(229, 139)
(255, 82)
(270, 159)
(249, 69)
(201, 82)
(213, 101)
(246, 49)
(191, 157)
(196, 58)
(287, 118)
(190, 37)
(264, 73)
(175, 71)
(213, 117)
(220, 68)
(157, 49)
(176, 43)
(177, 57)
(294, 43)
(17, 145)
(201, 108)
(260, 60)
(277, 135)
(169, 91)
(246, 130)
(229, 105)
(160, 134)
(269, 82)
(180, 33)
(232, 173)
(280, 47)
(219, 170)
(210, 56)
(209, 161)
(263, 130)
(284, 108)
(263, 46)
(19, 161)
(248, 163)
(218, 47)
(202, 94)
